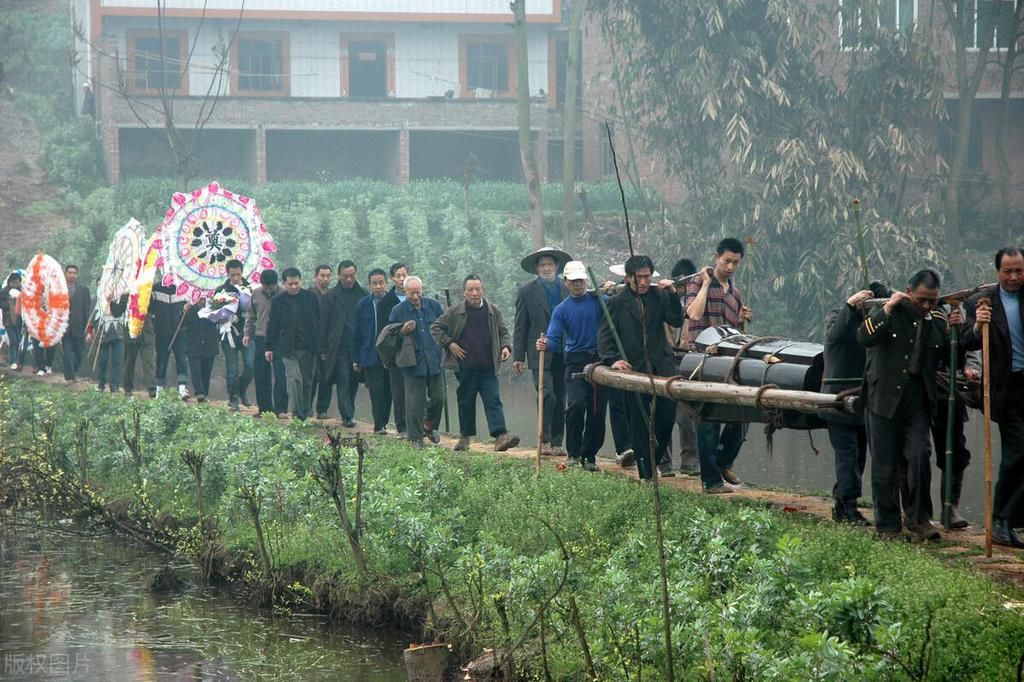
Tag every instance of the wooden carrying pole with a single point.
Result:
(540, 408)
(986, 393)
(677, 388)
(947, 479)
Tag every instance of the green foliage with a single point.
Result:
(472, 545)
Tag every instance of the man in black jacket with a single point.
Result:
(844, 359)
(293, 334)
(534, 302)
(73, 343)
(398, 272)
(1005, 315)
(231, 333)
(337, 322)
(637, 304)
(166, 313)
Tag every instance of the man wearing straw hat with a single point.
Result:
(1005, 313)
(534, 302)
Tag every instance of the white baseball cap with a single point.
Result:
(575, 269)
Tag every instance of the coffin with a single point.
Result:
(788, 364)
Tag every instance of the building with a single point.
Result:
(396, 90)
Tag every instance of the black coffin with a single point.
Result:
(792, 365)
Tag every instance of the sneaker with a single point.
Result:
(433, 435)
(382, 431)
(505, 441)
(351, 424)
(402, 435)
(729, 476)
(665, 471)
(14, 367)
(590, 466)
(573, 461)
(183, 392)
(40, 373)
(626, 458)
(100, 388)
(462, 445)
(49, 371)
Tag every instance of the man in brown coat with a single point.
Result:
(476, 342)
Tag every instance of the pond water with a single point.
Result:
(80, 608)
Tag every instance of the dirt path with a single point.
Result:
(967, 545)
(23, 183)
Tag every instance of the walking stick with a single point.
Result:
(861, 250)
(99, 346)
(540, 407)
(947, 506)
(987, 404)
(177, 329)
(444, 375)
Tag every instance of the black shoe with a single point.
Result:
(245, 399)
(847, 512)
(665, 471)
(1003, 534)
(321, 415)
(152, 391)
(434, 436)
(626, 458)
(348, 424)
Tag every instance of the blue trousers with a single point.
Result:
(112, 358)
(163, 358)
(485, 383)
(717, 447)
(14, 344)
(237, 382)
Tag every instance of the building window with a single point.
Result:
(988, 23)
(488, 67)
(368, 65)
(861, 22)
(157, 63)
(261, 64)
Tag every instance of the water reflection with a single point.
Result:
(79, 608)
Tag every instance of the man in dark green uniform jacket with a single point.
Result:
(905, 341)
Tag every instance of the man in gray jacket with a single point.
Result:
(476, 342)
(73, 343)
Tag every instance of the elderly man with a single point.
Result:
(637, 306)
(337, 321)
(397, 272)
(424, 384)
(534, 302)
(1005, 313)
(905, 343)
(476, 342)
(573, 334)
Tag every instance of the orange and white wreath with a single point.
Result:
(45, 304)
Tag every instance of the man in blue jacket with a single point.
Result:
(368, 324)
(424, 387)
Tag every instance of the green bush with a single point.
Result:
(471, 545)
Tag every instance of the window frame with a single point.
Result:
(389, 45)
(284, 38)
(973, 45)
(860, 19)
(132, 37)
(465, 40)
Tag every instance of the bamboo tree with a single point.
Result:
(570, 117)
(526, 145)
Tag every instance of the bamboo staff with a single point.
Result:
(947, 506)
(444, 376)
(861, 249)
(986, 392)
(748, 280)
(99, 346)
(177, 329)
(540, 406)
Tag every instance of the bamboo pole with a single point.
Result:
(986, 392)
(178, 329)
(99, 346)
(947, 506)
(677, 388)
(861, 249)
(952, 298)
(540, 407)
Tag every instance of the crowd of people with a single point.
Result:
(301, 347)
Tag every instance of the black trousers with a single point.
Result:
(584, 410)
(961, 455)
(1008, 499)
(201, 369)
(638, 407)
(338, 376)
(621, 430)
(398, 396)
(850, 443)
(901, 444)
(554, 400)
(73, 348)
(378, 384)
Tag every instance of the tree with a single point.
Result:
(773, 130)
(570, 118)
(526, 146)
(157, 113)
(1010, 68)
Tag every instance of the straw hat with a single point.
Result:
(530, 262)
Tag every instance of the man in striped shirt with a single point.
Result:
(712, 301)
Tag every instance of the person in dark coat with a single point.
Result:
(166, 310)
(12, 323)
(398, 272)
(424, 385)
(1005, 316)
(337, 322)
(231, 333)
(203, 349)
(270, 379)
(534, 302)
(844, 359)
(293, 334)
(73, 343)
(111, 327)
(905, 344)
(368, 324)
(628, 309)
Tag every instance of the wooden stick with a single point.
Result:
(540, 408)
(862, 253)
(99, 346)
(947, 483)
(986, 392)
(178, 329)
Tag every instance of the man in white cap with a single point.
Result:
(572, 334)
(534, 302)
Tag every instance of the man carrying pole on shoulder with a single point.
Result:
(1005, 315)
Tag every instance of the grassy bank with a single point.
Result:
(475, 551)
